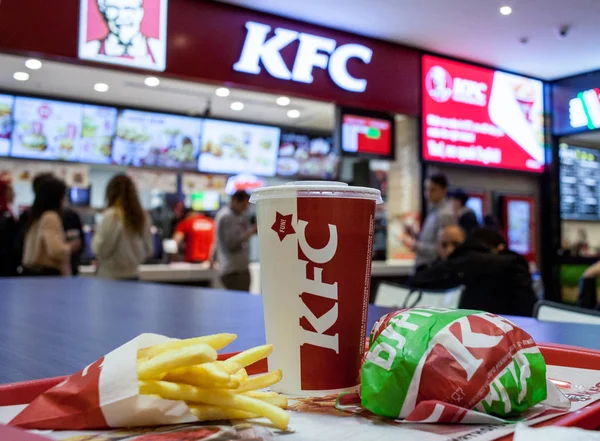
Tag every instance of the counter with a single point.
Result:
(201, 273)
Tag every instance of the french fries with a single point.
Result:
(188, 370)
(216, 341)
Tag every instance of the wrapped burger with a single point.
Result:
(435, 363)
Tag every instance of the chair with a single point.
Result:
(587, 293)
(557, 312)
(391, 295)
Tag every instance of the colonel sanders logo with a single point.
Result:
(126, 32)
(439, 84)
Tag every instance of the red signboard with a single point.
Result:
(225, 44)
(362, 134)
(478, 116)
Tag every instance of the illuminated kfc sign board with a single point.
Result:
(313, 52)
(478, 116)
(126, 32)
(219, 43)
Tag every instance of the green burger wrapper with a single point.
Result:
(469, 359)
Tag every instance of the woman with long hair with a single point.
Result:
(8, 231)
(46, 251)
(123, 240)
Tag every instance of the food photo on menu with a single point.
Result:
(98, 129)
(231, 147)
(6, 109)
(157, 140)
(45, 129)
(307, 156)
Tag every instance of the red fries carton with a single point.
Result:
(104, 394)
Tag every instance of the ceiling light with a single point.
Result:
(505, 10)
(33, 64)
(151, 81)
(21, 76)
(101, 87)
(237, 106)
(293, 113)
(222, 92)
(283, 101)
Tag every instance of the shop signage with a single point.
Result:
(478, 116)
(206, 39)
(584, 111)
(126, 32)
(313, 52)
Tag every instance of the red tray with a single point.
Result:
(557, 355)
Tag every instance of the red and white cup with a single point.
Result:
(315, 241)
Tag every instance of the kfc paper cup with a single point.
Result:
(316, 241)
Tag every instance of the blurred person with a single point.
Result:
(491, 222)
(466, 217)
(71, 223)
(8, 231)
(439, 215)
(179, 214)
(233, 231)
(496, 279)
(123, 239)
(125, 37)
(74, 231)
(449, 239)
(197, 232)
(46, 251)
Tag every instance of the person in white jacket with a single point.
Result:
(123, 239)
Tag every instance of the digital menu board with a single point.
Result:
(6, 124)
(366, 135)
(519, 226)
(231, 147)
(307, 156)
(46, 129)
(478, 116)
(97, 132)
(157, 140)
(579, 183)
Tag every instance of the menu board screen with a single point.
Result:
(45, 129)
(97, 132)
(230, 147)
(157, 140)
(579, 183)
(6, 125)
(366, 135)
(307, 156)
(478, 116)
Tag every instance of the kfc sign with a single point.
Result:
(313, 52)
(478, 116)
(126, 32)
(441, 87)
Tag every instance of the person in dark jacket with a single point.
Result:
(465, 216)
(8, 230)
(496, 279)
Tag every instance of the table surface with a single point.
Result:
(51, 326)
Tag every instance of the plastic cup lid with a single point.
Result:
(316, 189)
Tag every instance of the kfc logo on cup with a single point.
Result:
(126, 32)
(439, 84)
